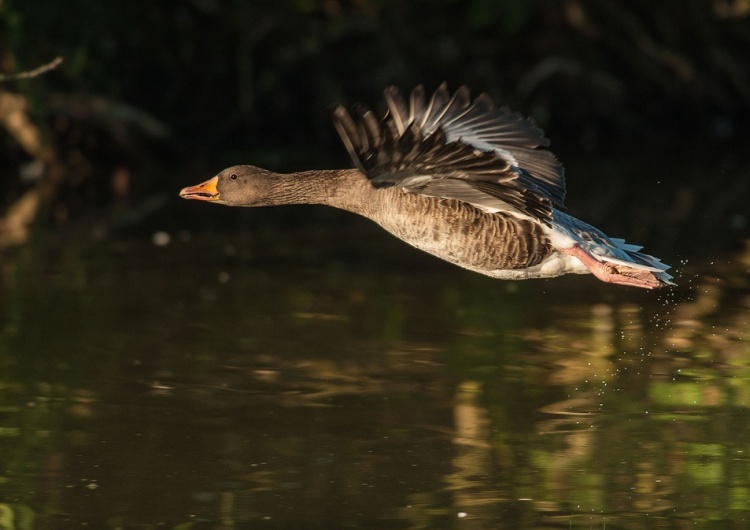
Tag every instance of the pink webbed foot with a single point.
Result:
(614, 273)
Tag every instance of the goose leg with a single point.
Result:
(611, 273)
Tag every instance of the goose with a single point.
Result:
(456, 177)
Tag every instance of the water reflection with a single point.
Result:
(174, 387)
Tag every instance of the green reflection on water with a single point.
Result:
(190, 385)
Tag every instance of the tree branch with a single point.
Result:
(33, 73)
(16, 222)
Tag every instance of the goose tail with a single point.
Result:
(610, 259)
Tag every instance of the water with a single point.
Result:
(218, 383)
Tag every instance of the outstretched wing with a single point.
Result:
(455, 148)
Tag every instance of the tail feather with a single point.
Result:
(627, 257)
(625, 246)
(632, 263)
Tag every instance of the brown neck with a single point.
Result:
(346, 189)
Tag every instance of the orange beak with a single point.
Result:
(205, 191)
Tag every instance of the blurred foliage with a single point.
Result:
(236, 81)
(213, 69)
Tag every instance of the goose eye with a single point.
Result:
(233, 176)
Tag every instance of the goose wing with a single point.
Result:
(455, 148)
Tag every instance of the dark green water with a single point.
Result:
(208, 385)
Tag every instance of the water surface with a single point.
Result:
(220, 383)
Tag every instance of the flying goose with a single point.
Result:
(459, 178)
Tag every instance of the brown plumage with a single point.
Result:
(457, 178)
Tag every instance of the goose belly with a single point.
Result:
(556, 264)
(498, 245)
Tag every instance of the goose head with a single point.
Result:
(240, 186)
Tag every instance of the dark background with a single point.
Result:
(298, 367)
(646, 102)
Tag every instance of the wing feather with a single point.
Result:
(456, 148)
